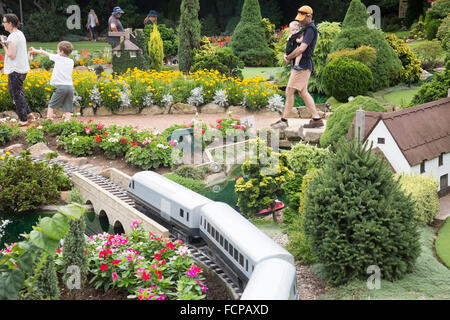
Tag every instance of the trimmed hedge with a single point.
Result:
(340, 120)
(423, 192)
(344, 77)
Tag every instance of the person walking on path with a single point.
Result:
(114, 25)
(16, 65)
(62, 97)
(298, 80)
(92, 22)
(151, 17)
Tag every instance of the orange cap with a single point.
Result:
(303, 12)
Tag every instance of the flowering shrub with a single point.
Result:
(149, 267)
(231, 126)
(35, 134)
(139, 89)
(77, 145)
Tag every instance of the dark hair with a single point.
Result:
(13, 19)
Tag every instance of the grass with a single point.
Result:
(429, 280)
(400, 97)
(265, 72)
(443, 244)
(92, 47)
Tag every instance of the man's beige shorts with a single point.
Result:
(299, 79)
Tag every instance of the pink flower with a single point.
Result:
(114, 262)
(145, 276)
(114, 276)
(99, 127)
(136, 223)
(170, 245)
(219, 120)
(173, 143)
(87, 130)
(103, 267)
(157, 256)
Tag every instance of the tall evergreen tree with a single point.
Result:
(248, 41)
(155, 49)
(356, 216)
(189, 33)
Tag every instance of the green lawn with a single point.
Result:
(443, 243)
(266, 72)
(429, 280)
(400, 95)
(94, 48)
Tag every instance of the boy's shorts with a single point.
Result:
(62, 98)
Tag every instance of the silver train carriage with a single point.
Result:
(168, 203)
(237, 241)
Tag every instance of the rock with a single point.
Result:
(439, 70)
(182, 108)
(57, 112)
(87, 112)
(425, 75)
(215, 178)
(237, 109)
(303, 112)
(9, 114)
(324, 107)
(292, 133)
(311, 135)
(212, 108)
(62, 159)
(64, 195)
(15, 148)
(78, 161)
(126, 111)
(154, 110)
(293, 113)
(103, 111)
(269, 113)
(39, 150)
(106, 173)
(389, 108)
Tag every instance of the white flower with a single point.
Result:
(275, 103)
(76, 99)
(75, 140)
(196, 97)
(220, 98)
(167, 100)
(148, 101)
(95, 97)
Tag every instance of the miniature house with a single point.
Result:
(129, 47)
(412, 140)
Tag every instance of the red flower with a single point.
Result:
(135, 143)
(170, 245)
(105, 134)
(157, 256)
(145, 276)
(98, 138)
(114, 262)
(103, 267)
(159, 274)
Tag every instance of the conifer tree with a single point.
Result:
(356, 216)
(355, 33)
(248, 41)
(189, 33)
(47, 280)
(74, 250)
(155, 49)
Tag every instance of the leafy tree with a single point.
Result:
(356, 216)
(434, 90)
(248, 41)
(155, 50)
(47, 280)
(266, 171)
(189, 33)
(443, 33)
(355, 33)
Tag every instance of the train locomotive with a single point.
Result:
(246, 254)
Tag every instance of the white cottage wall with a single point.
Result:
(389, 148)
(433, 169)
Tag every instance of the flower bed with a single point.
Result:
(139, 89)
(149, 267)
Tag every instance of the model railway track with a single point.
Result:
(199, 252)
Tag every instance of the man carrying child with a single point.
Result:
(62, 97)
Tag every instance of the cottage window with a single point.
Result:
(381, 141)
(133, 54)
(441, 160)
(117, 54)
(181, 213)
(422, 167)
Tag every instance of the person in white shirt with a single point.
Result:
(62, 97)
(16, 65)
(92, 23)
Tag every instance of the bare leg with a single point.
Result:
(290, 98)
(50, 114)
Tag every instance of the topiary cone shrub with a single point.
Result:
(356, 216)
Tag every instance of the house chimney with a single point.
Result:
(448, 93)
(360, 117)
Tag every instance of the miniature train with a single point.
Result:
(258, 265)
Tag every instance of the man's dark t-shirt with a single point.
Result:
(310, 38)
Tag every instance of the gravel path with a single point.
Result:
(309, 286)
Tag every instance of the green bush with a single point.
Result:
(439, 10)
(25, 185)
(298, 243)
(430, 54)
(248, 40)
(47, 280)
(418, 28)
(192, 172)
(410, 63)
(423, 193)
(168, 36)
(345, 77)
(434, 90)
(45, 27)
(443, 33)
(355, 218)
(431, 28)
(155, 50)
(355, 33)
(35, 135)
(366, 55)
(188, 33)
(340, 121)
(190, 183)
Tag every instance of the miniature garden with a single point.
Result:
(344, 209)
